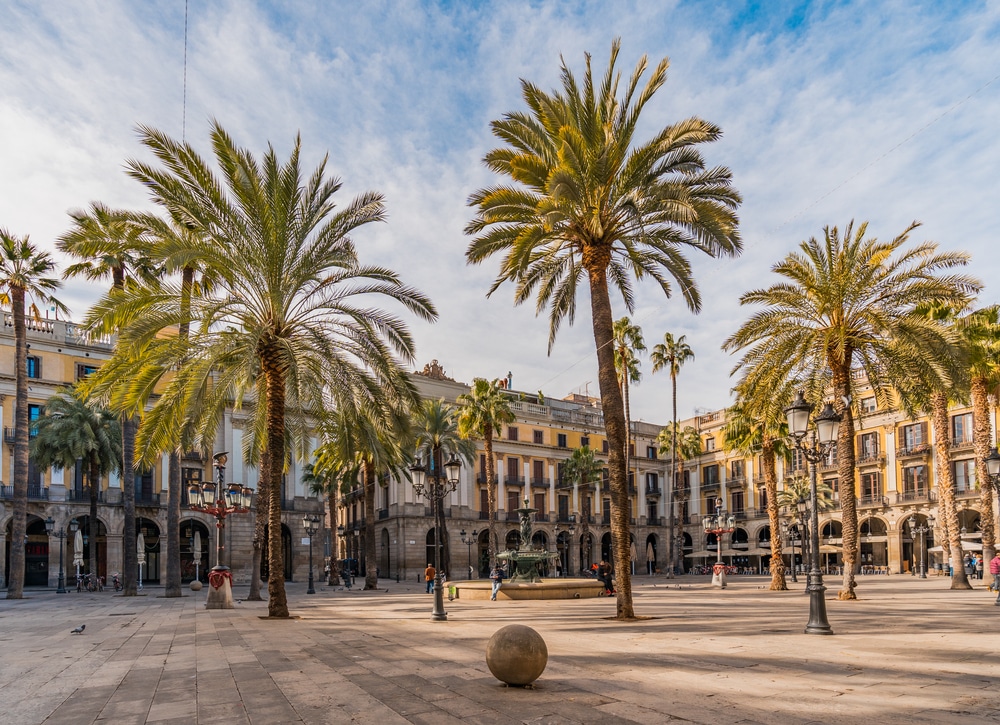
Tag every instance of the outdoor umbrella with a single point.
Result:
(78, 548)
(196, 554)
(140, 547)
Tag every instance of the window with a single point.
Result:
(797, 461)
(652, 483)
(513, 471)
(34, 366)
(868, 405)
(584, 441)
(537, 473)
(914, 435)
(564, 508)
(561, 440)
(961, 428)
(915, 480)
(631, 449)
(538, 437)
(35, 412)
(604, 447)
(762, 498)
(512, 433)
(867, 446)
(965, 475)
(513, 502)
(539, 503)
(871, 488)
(736, 470)
(651, 452)
(710, 443)
(736, 498)
(82, 370)
(710, 475)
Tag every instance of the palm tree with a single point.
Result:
(981, 329)
(23, 275)
(845, 301)
(331, 483)
(586, 203)
(109, 244)
(291, 308)
(756, 425)
(582, 468)
(72, 430)
(681, 445)
(483, 411)
(671, 354)
(628, 341)
(436, 439)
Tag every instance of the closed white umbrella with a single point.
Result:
(197, 553)
(140, 547)
(78, 548)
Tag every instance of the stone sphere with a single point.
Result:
(196, 586)
(516, 655)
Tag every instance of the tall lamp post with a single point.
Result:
(468, 540)
(993, 471)
(791, 536)
(921, 531)
(442, 482)
(310, 523)
(719, 524)
(61, 535)
(824, 436)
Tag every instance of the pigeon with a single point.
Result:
(79, 630)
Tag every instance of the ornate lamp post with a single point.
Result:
(824, 436)
(921, 531)
(444, 480)
(310, 523)
(791, 536)
(61, 535)
(469, 540)
(219, 500)
(719, 524)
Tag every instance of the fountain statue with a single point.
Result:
(525, 558)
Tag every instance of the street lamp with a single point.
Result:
(921, 530)
(219, 500)
(61, 535)
(824, 436)
(719, 524)
(441, 486)
(792, 537)
(310, 523)
(468, 542)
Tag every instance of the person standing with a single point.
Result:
(496, 576)
(429, 573)
(979, 567)
(995, 571)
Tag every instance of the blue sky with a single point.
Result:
(832, 111)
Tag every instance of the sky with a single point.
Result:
(831, 112)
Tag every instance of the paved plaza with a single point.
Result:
(910, 651)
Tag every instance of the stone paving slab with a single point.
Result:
(909, 651)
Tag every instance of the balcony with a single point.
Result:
(481, 478)
(511, 516)
(919, 495)
(870, 458)
(736, 482)
(826, 466)
(967, 493)
(36, 492)
(383, 514)
(653, 491)
(9, 434)
(515, 481)
(83, 495)
(760, 513)
(873, 501)
(541, 518)
(682, 493)
(962, 445)
(710, 485)
(539, 482)
(919, 450)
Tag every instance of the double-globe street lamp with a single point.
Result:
(469, 540)
(791, 532)
(921, 531)
(719, 524)
(443, 480)
(824, 436)
(50, 525)
(310, 522)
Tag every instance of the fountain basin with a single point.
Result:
(564, 588)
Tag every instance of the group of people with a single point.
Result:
(602, 572)
(974, 566)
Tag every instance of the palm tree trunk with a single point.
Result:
(673, 473)
(946, 487)
(778, 583)
(277, 603)
(130, 561)
(260, 521)
(94, 477)
(614, 424)
(19, 523)
(371, 575)
(982, 438)
(845, 474)
(491, 495)
(334, 577)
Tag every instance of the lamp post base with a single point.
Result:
(438, 614)
(61, 588)
(220, 589)
(818, 623)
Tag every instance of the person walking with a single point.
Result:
(496, 576)
(995, 571)
(979, 567)
(429, 573)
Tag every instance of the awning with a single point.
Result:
(701, 554)
(829, 549)
(966, 546)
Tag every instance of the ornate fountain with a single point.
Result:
(525, 558)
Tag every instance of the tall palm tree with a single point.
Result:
(981, 330)
(681, 445)
(436, 439)
(628, 342)
(23, 276)
(756, 425)
(582, 468)
(74, 429)
(329, 481)
(845, 301)
(291, 308)
(671, 354)
(586, 203)
(483, 411)
(109, 244)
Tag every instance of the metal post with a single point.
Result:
(818, 623)
(61, 588)
(438, 614)
(311, 589)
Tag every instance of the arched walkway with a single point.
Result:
(286, 553)
(36, 553)
(150, 549)
(196, 543)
